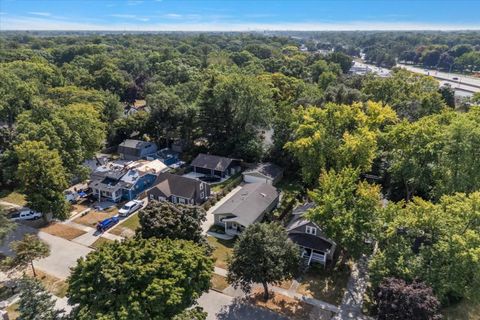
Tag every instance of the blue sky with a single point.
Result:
(168, 15)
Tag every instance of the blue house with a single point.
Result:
(124, 181)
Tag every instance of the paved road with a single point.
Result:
(223, 307)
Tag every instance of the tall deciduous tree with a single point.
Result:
(5, 225)
(166, 220)
(263, 254)
(347, 209)
(42, 178)
(436, 243)
(397, 300)
(139, 279)
(26, 250)
(337, 136)
(35, 302)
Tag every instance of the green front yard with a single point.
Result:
(222, 249)
(465, 310)
(128, 227)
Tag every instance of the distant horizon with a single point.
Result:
(238, 16)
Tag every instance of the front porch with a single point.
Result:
(310, 256)
(232, 228)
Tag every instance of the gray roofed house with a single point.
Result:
(247, 206)
(215, 165)
(309, 236)
(178, 189)
(136, 149)
(264, 172)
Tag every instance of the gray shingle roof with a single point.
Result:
(169, 184)
(248, 204)
(208, 161)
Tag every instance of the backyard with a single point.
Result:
(221, 250)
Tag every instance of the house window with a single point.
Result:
(201, 186)
(182, 201)
(311, 230)
(152, 197)
(202, 195)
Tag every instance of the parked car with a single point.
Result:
(130, 207)
(25, 215)
(107, 223)
(72, 197)
(455, 78)
(210, 178)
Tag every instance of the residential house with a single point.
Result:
(136, 149)
(247, 206)
(268, 173)
(316, 247)
(116, 181)
(178, 189)
(215, 165)
(168, 156)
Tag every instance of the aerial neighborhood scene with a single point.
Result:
(239, 160)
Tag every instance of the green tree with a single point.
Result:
(263, 254)
(241, 106)
(337, 136)
(139, 279)
(25, 251)
(35, 302)
(435, 243)
(5, 225)
(42, 178)
(347, 209)
(196, 313)
(166, 220)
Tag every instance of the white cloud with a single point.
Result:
(173, 15)
(43, 14)
(130, 16)
(39, 23)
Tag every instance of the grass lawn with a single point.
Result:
(13, 197)
(218, 187)
(12, 311)
(465, 310)
(100, 242)
(222, 249)
(93, 217)
(325, 284)
(63, 231)
(218, 282)
(128, 227)
(53, 284)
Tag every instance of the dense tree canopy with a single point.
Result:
(139, 279)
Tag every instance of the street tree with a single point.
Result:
(139, 279)
(42, 178)
(25, 252)
(263, 254)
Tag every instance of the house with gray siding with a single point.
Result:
(215, 165)
(136, 149)
(309, 236)
(247, 206)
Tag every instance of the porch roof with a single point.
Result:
(310, 241)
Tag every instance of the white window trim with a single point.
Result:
(311, 230)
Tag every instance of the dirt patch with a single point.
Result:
(286, 284)
(93, 217)
(100, 242)
(289, 307)
(53, 284)
(62, 231)
(219, 282)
